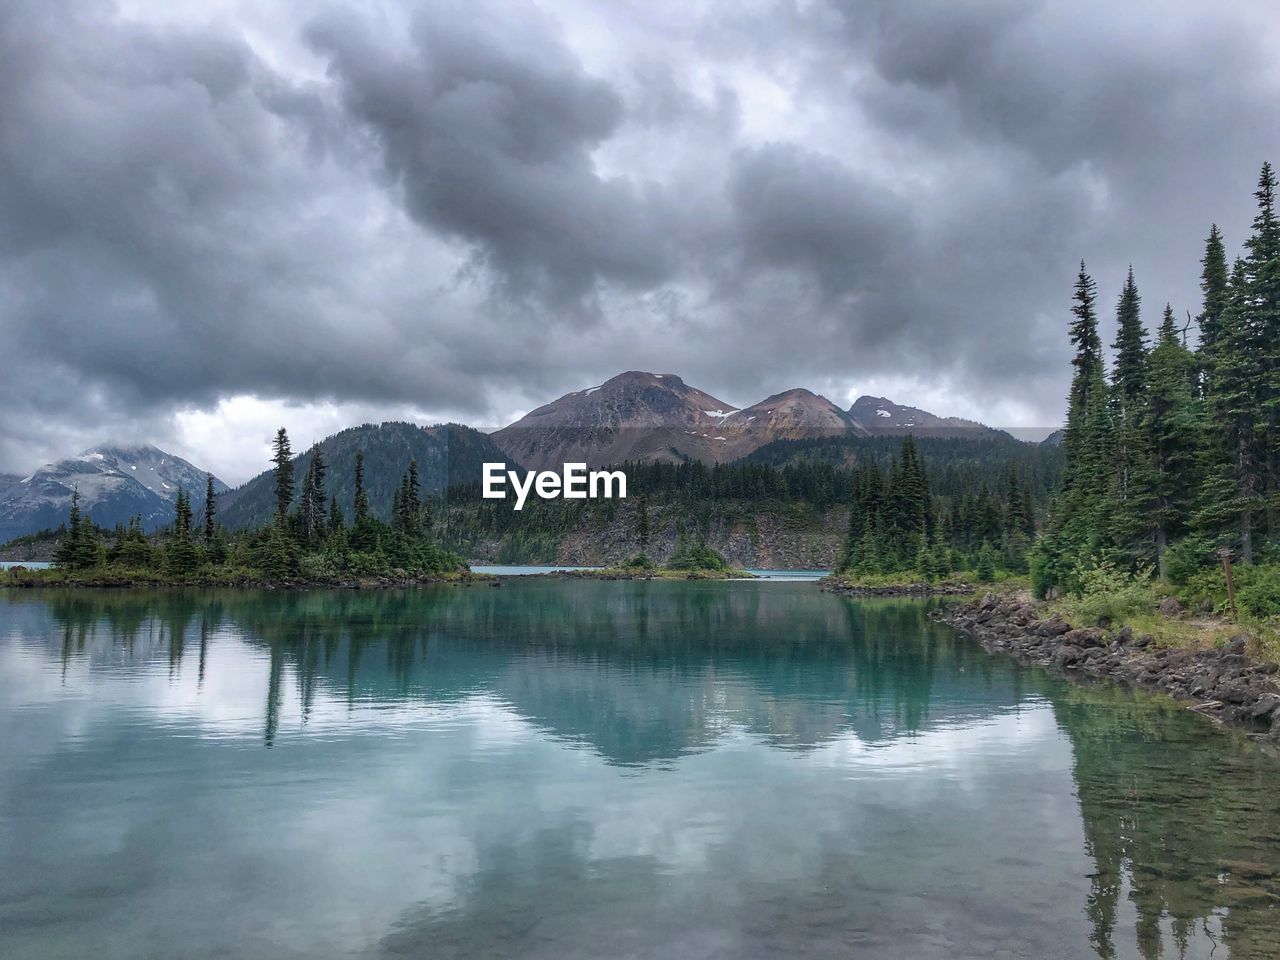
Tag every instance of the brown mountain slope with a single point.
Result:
(656, 416)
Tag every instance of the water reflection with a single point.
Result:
(1182, 822)
(598, 769)
(641, 672)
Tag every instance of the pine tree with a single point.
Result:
(412, 501)
(360, 505)
(180, 553)
(1213, 283)
(66, 555)
(1233, 489)
(364, 528)
(311, 509)
(81, 548)
(1262, 269)
(1085, 339)
(131, 548)
(986, 566)
(1129, 372)
(1174, 429)
(210, 506)
(283, 460)
(1081, 511)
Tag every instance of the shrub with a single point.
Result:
(1258, 591)
(1186, 558)
(986, 567)
(1106, 592)
(699, 556)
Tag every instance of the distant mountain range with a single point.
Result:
(115, 484)
(633, 416)
(644, 416)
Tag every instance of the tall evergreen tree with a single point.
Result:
(360, 503)
(311, 512)
(1081, 510)
(1131, 483)
(180, 552)
(1129, 372)
(80, 548)
(364, 527)
(1233, 491)
(1262, 269)
(283, 460)
(1173, 428)
(1084, 337)
(210, 508)
(1214, 277)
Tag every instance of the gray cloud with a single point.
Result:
(468, 209)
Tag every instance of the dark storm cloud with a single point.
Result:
(799, 209)
(492, 143)
(473, 207)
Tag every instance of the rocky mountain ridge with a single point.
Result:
(115, 483)
(648, 416)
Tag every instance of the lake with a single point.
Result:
(511, 570)
(580, 769)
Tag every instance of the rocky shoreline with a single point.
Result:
(942, 588)
(1223, 683)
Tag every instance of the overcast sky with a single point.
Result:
(218, 217)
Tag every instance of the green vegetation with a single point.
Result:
(1173, 458)
(899, 529)
(795, 509)
(696, 556)
(309, 542)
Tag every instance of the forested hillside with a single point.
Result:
(447, 454)
(759, 515)
(1173, 453)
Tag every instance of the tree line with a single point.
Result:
(312, 540)
(1173, 453)
(898, 525)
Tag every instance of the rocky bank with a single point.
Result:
(1223, 683)
(940, 588)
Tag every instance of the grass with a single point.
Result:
(1126, 601)
(1004, 580)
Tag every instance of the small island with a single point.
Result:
(308, 542)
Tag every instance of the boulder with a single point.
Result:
(1084, 637)
(1268, 705)
(1068, 654)
(1170, 607)
(1053, 628)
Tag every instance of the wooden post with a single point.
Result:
(1225, 554)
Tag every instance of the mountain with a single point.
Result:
(792, 415)
(1054, 439)
(878, 415)
(115, 484)
(634, 416)
(651, 416)
(447, 454)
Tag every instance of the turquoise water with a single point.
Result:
(567, 769)
(526, 570)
